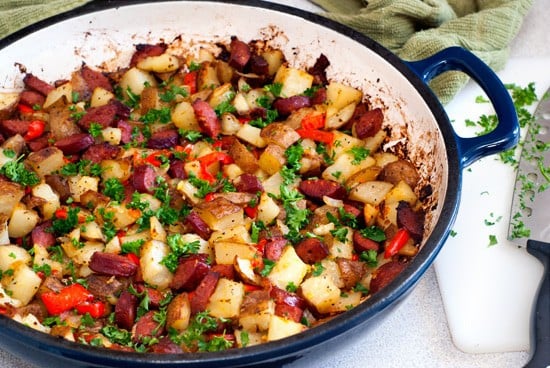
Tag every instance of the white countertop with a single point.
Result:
(416, 334)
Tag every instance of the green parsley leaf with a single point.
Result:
(95, 130)
(369, 257)
(317, 269)
(268, 266)
(359, 154)
(373, 233)
(114, 189)
(18, 173)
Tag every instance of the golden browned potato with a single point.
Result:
(8, 103)
(178, 312)
(243, 157)
(10, 195)
(220, 214)
(280, 134)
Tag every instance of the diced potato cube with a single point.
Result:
(220, 214)
(294, 81)
(230, 124)
(62, 93)
(232, 171)
(245, 270)
(23, 283)
(227, 298)
(252, 135)
(401, 192)
(207, 78)
(280, 134)
(100, 97)
(343, 143)
(344, 167)
(275, 58)
(321, 292)
(117, 169)
(8, 103)
(342, 249)
(259, 318)
(226, 251)
(153, 271)
(157, 229)
(237, 234)
(189, 191)
(183, 117)
(247, 338)
(122, 215)
(81, 184)
(11, 254)
(178, 312)
(331, 270)
(135, 80)
(280, 328)
(370, 213)
(272, 159)
(91, 231)
(221, 94)
(346, 301)
(373, 143)
(10, 195)
(46, 161)
(164, 63)
(268, 210)
(22, 221)
(240, 104)
(372, 192)
(340, 95)
(288, 269)
(112, 135)
(384, 158)
(51, 199)
(339, 117)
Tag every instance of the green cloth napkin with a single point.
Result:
(16, 14)
(416, 29)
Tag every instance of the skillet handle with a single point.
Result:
(506, 134)
(540, 316)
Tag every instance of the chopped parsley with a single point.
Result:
(18, 173)
(275, 89)
(317, 269)
(359, 154)
(268, 267)
(179, 248)
(369, 257)
(373, 233)
(95, 129)
(62, 226)
(114, 189)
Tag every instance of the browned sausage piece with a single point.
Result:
(39, 143)
(146, 326)
(207, 118)
(37, 84)
(319, 97)
(411, 220)
(274, 248)
(248, 183)
(129, 134)
(145, 50)
(125, 310)
(177, 169)
(31, 98)
(352, 271)
(190, 272)
(12, 127)
(311, 250)
(285, 106)
(399, 170)
(60, 185)
(385, 274)
(102, 115)
(318, 70)
(105, 287)
(154, 296)
(165, 346)
(281, 296)
(258, 65)
(75, 143)
(199, 226)
(144, 178)
(95, 79)
(40, 235)
(317, 188)
(163, 139)
(352, 210)
(225, 270)
(100, 152)
(289, 312)
(369, 123)
(202, 293)
(112, 264)
(240, 54)
(363, 244)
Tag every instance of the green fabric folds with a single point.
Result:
(416, 29)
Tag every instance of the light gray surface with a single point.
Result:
(416, 333)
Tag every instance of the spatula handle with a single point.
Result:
(540, 319)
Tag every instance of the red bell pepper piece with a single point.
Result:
(95, 309)
(313, 121)
(209, 197)
(36, 129)
(190, 80)
(316, 135)
(251, 212)
(133, 258)
(61, 213)
(396, 243)
(24, 109)
(207, 160)
(248, 288)
(68, 298)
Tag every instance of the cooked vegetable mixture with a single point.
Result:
(197, 202)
